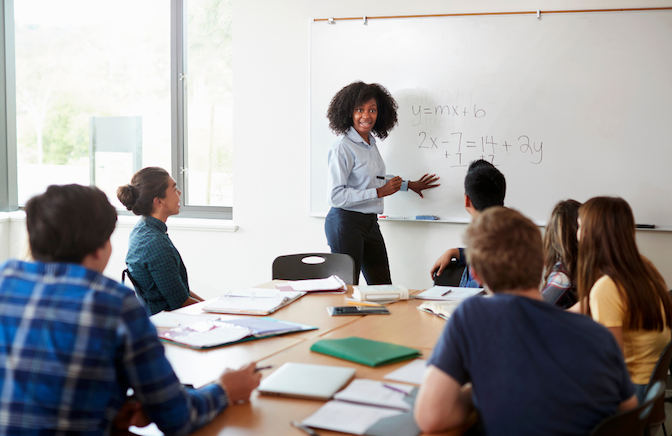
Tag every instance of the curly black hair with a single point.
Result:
(347, 99)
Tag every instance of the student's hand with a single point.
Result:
(240, 383)
(443, 261)
(131, 413)
(390, 187)
(425, 182)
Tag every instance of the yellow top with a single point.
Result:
(641, 348)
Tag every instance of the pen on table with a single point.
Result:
(645, 226)
(446, 293)
(305, 428)
(263, 367)
(406, 394)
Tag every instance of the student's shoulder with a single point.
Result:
(604, 288)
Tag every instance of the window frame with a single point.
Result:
(178, 83)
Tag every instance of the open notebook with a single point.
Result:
(372, 408)
(254, 301)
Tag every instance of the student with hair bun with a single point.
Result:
(153, 261)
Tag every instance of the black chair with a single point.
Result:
(659, 373)
(315, 266)
(633, 422)
(136, 287)
(450, 276)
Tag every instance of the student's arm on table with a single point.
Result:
(160, 396)
(442, 402)
(443, 261)
(195, 297)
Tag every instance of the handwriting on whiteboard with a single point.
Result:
(422, 112)
(460, 148)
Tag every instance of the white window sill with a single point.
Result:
(174, 223)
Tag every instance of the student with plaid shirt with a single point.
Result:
(73, 341)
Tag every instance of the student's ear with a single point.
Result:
(157, 203)
(97, 259)
(468, 205)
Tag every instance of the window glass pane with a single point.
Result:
(209, 96)
(93, 91)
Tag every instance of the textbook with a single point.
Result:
(330, 285)
(372, 407)
(365, 351)
(254, 301)
(442, 309)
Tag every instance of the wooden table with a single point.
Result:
(268, 415)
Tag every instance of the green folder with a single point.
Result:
(365, 351)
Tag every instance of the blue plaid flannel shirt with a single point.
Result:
(156, 266)
(71, 343)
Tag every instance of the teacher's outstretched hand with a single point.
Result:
(390, 187)
(425, 182)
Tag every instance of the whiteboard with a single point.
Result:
(570, 105)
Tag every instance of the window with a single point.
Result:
(209, 60)
(106, 88)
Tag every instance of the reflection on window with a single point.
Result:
(209, 53)
(93, 92)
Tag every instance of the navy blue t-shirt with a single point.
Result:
(535, 369)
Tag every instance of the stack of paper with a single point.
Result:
(380, 293)
(253, 301)
(331, 285)
(371, 409)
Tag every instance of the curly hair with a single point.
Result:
(347, 99)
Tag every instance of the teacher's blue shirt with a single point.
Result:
(352, 179)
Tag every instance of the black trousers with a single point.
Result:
(358, 235)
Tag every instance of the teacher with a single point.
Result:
(356, 180)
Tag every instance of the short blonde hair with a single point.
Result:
(505, 250)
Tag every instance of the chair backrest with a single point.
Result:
(450, 276)
(315, 266)
(659, 374)
(136, 287)
(632, 422)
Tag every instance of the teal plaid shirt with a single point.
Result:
(156, 266)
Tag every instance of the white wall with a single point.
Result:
(271, 137)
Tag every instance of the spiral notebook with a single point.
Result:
(253, 301)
